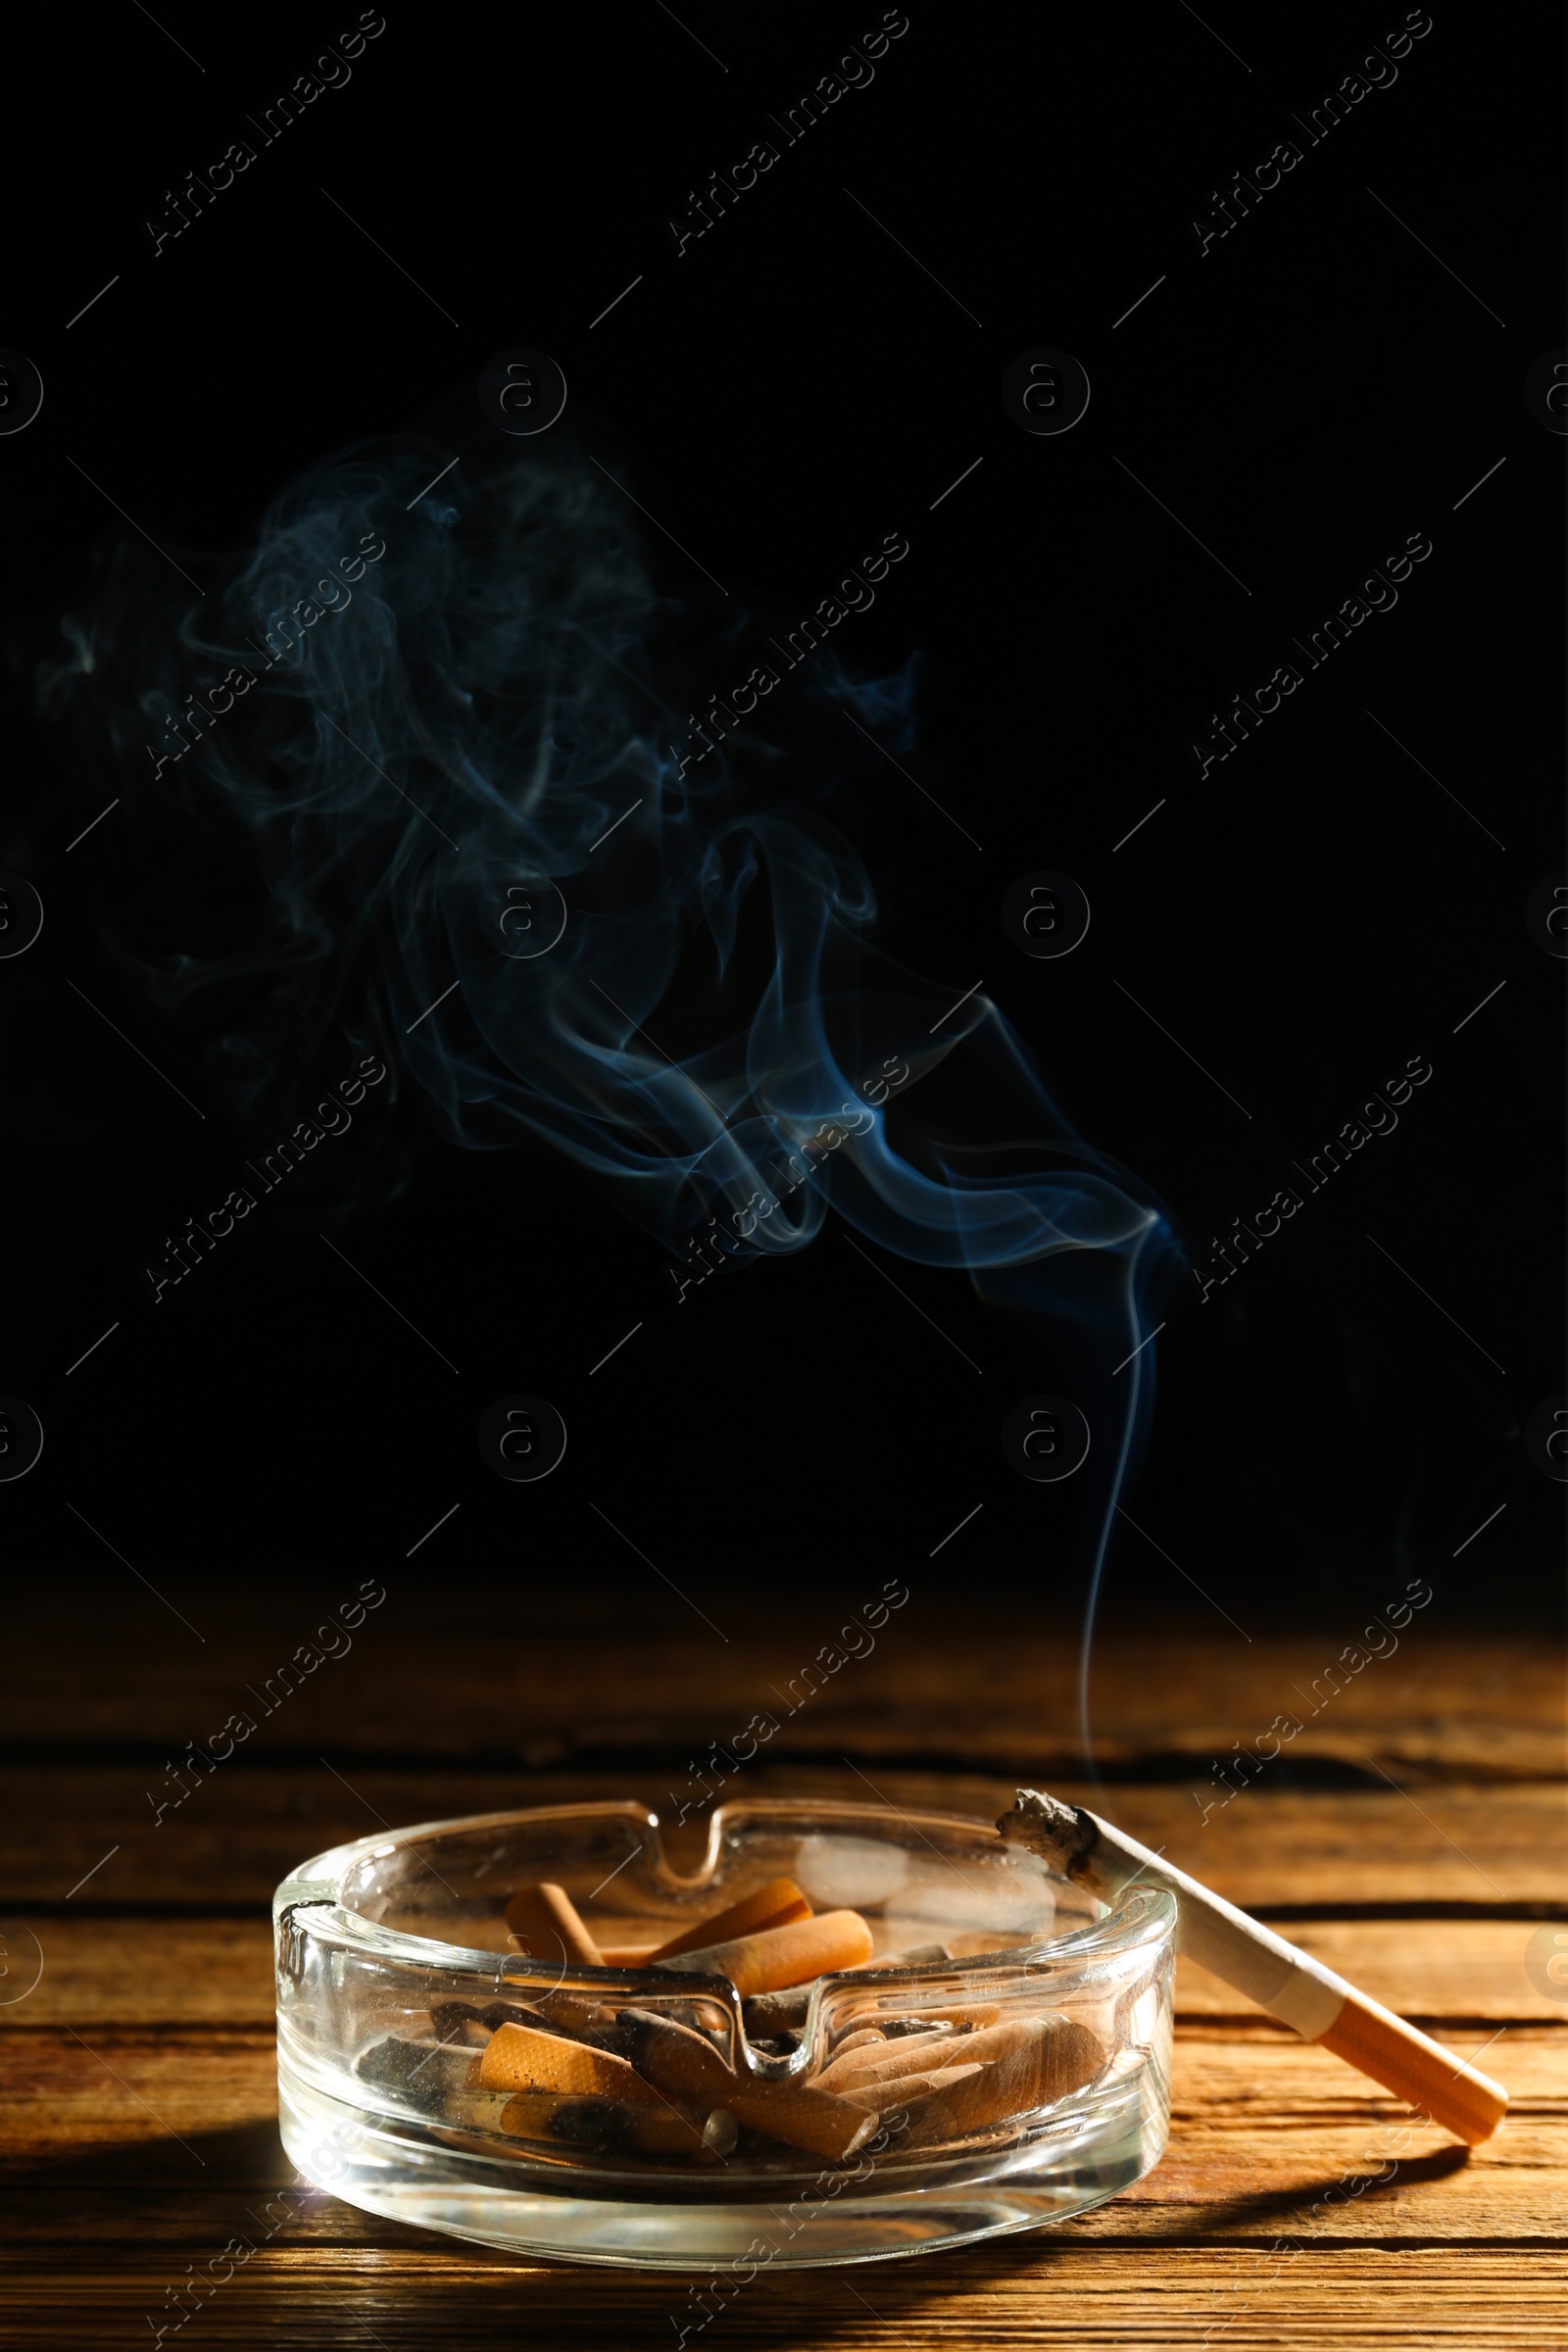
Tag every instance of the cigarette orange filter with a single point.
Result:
(519, 2058)
(545, 1921)
(774, 1905)
(779, 1957)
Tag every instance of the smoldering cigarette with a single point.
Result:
(519, 2058)
(780, 1957)
(774, 1905)
(1288, 1983)
(545, 1922)
(684, 2065)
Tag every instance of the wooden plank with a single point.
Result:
(1428, 1969)
(538, 1683)
(1037, 2293)
(184, 1972)
(242, 1830)
(174, 1973)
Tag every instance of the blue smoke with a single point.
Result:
(459, 747)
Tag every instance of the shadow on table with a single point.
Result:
(1312, 2204)
(151, 2217)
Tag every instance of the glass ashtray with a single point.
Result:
(999, 2057)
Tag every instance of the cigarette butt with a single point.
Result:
(469, 2120)
(511, 2013)
(771, 2013)
(1024, 2063)
(864, 2038)
(912, 2091)
(579, 2013)
(779, 1957)
(775, 2045)
(424, 2072)
(609, 2127)
(448, 2019)
(521, 2059)
(455, 2022)
(774, 1905)
(626, 1956)
(681, 2062)
(544, 1919)
(687, 2067)
(807, 2118)
(912, 2055)
(529, 2114)
(914, 1955)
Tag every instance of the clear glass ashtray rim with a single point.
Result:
(1138, 1917)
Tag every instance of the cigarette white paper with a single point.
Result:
(1289, 1983)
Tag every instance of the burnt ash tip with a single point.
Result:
(1043, 1825)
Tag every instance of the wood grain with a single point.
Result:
(936, 1686)
(1488, 1848)
(1027, 2292)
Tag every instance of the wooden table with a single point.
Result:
(1418, 1846)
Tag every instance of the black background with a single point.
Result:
(1304, 396)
